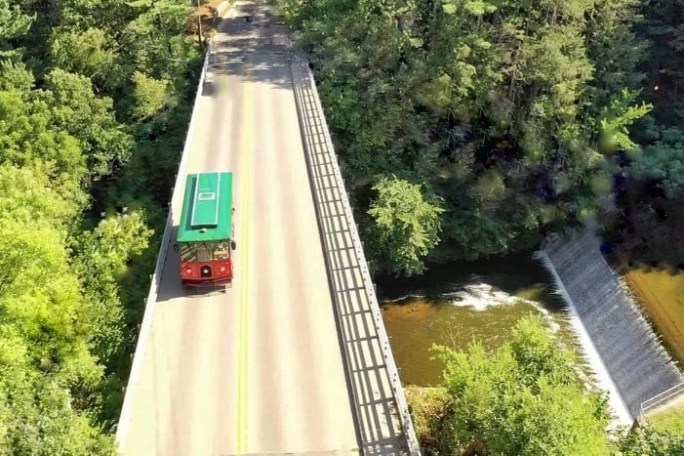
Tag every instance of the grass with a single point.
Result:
(669, 420)
(661, 292)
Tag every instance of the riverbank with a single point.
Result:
(661, 294)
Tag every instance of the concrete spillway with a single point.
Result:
(638, 366)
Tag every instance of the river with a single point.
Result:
(456, 303)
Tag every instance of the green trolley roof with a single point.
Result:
(207, 208)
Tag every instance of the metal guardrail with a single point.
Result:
(155, 279)
(661, 399)
(331, 159)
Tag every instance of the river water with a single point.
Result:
(456, 303)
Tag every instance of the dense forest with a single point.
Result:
(506, 119)
(91, 93)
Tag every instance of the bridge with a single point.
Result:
(293, 358)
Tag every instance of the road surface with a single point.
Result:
(259, 368)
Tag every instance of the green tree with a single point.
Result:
(36, 419)
(647, 441)
(497, 106)
(27, 138)
(615, 50)
(102, 256)
(47, 372)
(78, 111)
(521, 400)
(15, 77)
(405, 226)
(617, 117)
(88, 53)
(662, 161)
(67, 136)
(13, 23)
(150, 95)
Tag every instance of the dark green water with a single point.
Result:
(457, 303)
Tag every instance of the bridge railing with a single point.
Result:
(353, 300)
(155, 279)
(661, 399)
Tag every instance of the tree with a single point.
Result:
(67, 136)
(47, 372)
(497, 106)
(617, 117)
(521, 400)
(36, 419)
(150, 95)
(101, 259)
(663, 162)
(78, 111)
(13, 23)
(405, 226)
(15, 77)
(88, 53)
(647, 441)
(28, 139)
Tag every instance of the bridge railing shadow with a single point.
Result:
(379, 402)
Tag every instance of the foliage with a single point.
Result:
(648, 441)
(405, 226)
(150, 95)
(617, 117)
(430, 410)
(499, 107)
(101, 260)
(15, 76)
(521, 400)
(90, 119)
(88, 53)
(36, 418)
(13, 24)
(670, 420)
(82, 85)
(48, 369)
(663, 162)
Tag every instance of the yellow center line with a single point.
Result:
(244, 265)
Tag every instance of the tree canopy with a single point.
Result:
(513, 113)
(524, 399)
(405, 226)
(82, 85)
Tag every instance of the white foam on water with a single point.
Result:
(481, 296)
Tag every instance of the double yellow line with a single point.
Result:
(244, 264)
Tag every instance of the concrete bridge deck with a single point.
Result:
(292, 359)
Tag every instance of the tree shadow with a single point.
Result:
(251, 45)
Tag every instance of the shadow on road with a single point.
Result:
(251, 45)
